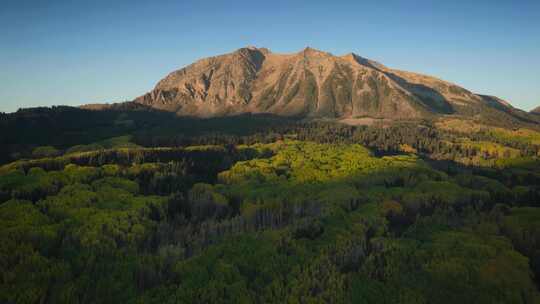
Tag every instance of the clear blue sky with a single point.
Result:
(74, 52)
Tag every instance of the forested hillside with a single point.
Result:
(143, 207)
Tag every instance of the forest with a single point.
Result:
(129, 206)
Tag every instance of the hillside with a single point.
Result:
(286, 221)
(265, 209)
(314, 84)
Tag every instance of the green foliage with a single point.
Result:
(522, 226)
(453, 267)
(291, 221)
(28, 237)
(32, 186)
(54, 249)
(45, 151)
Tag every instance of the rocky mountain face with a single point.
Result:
(310, 83)
(536, 111)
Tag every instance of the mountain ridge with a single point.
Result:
(310, 83)
(313, 84)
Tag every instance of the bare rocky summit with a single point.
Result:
(310, 83)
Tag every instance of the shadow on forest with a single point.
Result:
(198, 216)
(63, 127)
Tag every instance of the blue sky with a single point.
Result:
(74, 52)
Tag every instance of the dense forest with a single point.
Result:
(138, 206)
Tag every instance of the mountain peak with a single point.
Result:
(312, 51)
(357, 59)
(248, 49)
(254, 48)
(309, 83)
(351, 57)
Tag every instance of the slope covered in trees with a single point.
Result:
(138, 206)
(311, 213)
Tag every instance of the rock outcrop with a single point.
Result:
(310, 83)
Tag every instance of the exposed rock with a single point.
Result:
(310, 83)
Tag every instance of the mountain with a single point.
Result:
(312, 83)
(536, 110)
